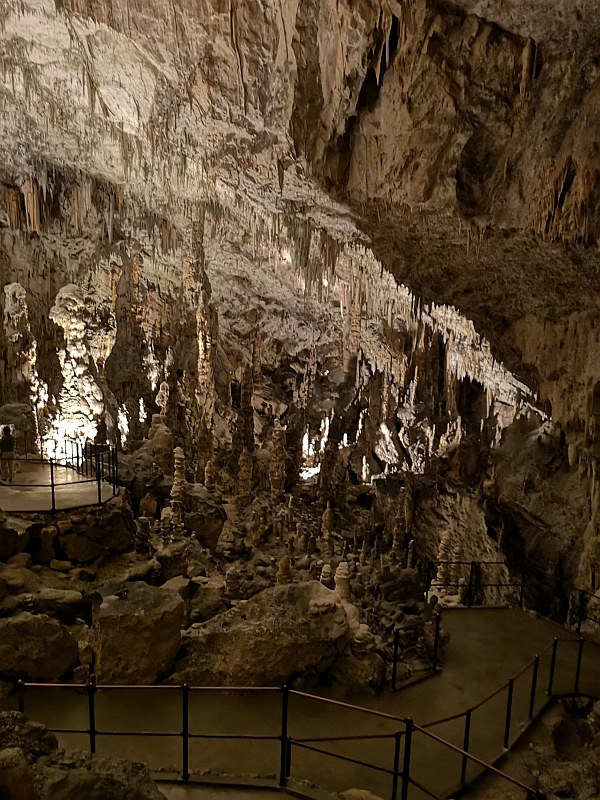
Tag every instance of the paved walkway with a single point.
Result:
(31, 491)
(487, 647)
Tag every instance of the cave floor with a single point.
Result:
(31, 490)
(486, 648)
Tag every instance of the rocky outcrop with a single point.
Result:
(267, 639)
(137, 633)
(107, 529)
(83, 776)
(35, 648)
(33, 768)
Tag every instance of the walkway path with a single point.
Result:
(31, 491)
(487, 647)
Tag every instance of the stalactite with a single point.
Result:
(32, 205)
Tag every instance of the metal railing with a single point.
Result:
(94, 463)
(578, 599)
(408, 738)
(528, 693)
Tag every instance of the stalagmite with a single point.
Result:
(410, 557)
(327, 578)
(284, 571)
(342, 581)
(232, 583)
(209, 477)
(277, 466)
(327, 523)
(177, 492)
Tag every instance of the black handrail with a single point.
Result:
(79, 459)
(400, 771)
(525, 569)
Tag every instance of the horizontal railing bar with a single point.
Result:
(109, 686)
(445, 719)
(473, 758)
(170, 733)
(346, 705)
(262, 737)
(351, 738)
(487, 563)
(342, 758)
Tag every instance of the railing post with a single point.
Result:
(98, 478)
(511, 688)
(285, 696)
(534, 677)
(467, 736)
(77, 456)
(406, 763)
(395, 776)
(185, 732)
(471, 584)
(578, 669)
(522, 592)
(436, 642)
(52, 484)
(581, 610)
(552, 666)
(427, 581)
(21, 696)
(91, 692)
(395, 657)
(114, 470)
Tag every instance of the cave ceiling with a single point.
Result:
(326, 150)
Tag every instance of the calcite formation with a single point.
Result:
(325, 275)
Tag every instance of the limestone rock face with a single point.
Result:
(137, 636)
(265, 640)
(35, 648)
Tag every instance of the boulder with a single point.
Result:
(180, 585)
(64, 604)
(35, 648)
(42, 544)
(16, 781)
(266, 640)
(20, 560)
(32, 738)
(110, 528)
(137, 633)
(82, 776)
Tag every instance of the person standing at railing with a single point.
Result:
(7, 455)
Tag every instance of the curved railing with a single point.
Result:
(411, 757)
(578, 599)
(94, 464)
